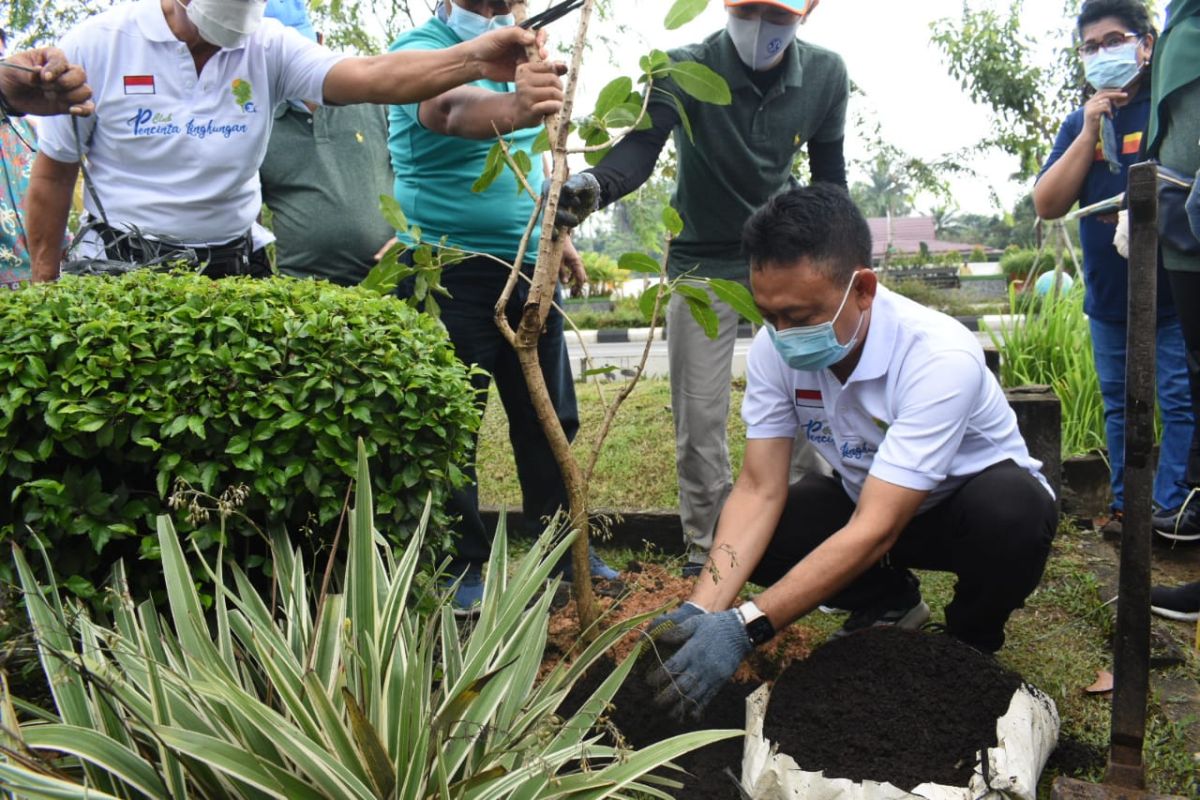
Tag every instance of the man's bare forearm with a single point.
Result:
(48, 202)
(743, 533)
(471, 113)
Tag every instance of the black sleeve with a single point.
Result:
(827, 162)
(628, 165)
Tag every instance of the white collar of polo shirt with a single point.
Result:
(881, 337)
(152, 23)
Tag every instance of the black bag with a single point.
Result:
(1174, 229)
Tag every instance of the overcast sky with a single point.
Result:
(886, 45)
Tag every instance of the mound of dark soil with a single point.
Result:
(890, 705)
(642, 723)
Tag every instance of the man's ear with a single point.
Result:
(865, 285)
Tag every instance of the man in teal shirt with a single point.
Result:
(786, 94)
(438, 149)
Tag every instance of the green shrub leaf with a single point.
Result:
(701, 82)
(683, 12)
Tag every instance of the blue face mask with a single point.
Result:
(814, 347)
(468, 25)
(1112, 70)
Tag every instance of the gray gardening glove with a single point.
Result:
(713, 647)
(579, 197)
(663, 623)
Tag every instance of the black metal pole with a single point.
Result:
(1131, 646)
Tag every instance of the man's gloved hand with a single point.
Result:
(713, 647)
(580, 196)
(663, 624)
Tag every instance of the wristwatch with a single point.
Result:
(758, 627)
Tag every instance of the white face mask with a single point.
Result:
(226, 23)
(760, 44)
(468, 24)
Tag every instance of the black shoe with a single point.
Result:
(1180, 602)
(905, 610)
(1181, 525)
(692, 569)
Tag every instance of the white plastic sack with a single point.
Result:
(1025, 737)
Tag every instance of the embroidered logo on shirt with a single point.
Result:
(243, 95)
(817, 432)
(139, 84)
(809, 398)
(854, 450)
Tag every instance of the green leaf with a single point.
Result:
(609, 370)
(701, 82)
(290, 420)
(623, 115)
(737, 297)
(639, 262)
(493, 166)
(612, 95)
(655, 62)
(238, 444)
(646, 301)
(542, 143)
(390, 208)
(672, 221)
(595, 138)
(684, 119)
(100, 750)
(366, 737)
(524, 166)
(704, 315)
(683, 12)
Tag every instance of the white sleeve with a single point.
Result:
(56, 135)
(298, 65)
(934, 401)
(769, 406)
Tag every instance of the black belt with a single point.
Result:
(235, 257)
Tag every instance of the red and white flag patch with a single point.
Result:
(808, 397)
(139, 84)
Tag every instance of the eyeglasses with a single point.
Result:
(1110, 43)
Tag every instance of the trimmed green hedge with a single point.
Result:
(112, 388)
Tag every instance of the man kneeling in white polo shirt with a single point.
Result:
(931, 471)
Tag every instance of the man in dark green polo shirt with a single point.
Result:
(325, 169)
(786, 94)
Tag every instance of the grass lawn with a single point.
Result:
(1058, 642)
(637, 466)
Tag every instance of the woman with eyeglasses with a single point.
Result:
(1089, 163)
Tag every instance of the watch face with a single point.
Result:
(760, 630)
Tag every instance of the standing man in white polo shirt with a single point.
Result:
(931, 471)
(184, 97)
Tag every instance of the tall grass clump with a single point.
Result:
(370, 692)
(1047, 341)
